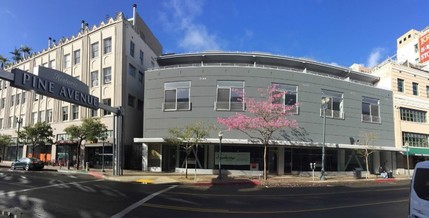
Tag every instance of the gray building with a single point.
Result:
(186, 88)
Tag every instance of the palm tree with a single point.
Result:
(3, 61)
(16, 55)
(26, 50)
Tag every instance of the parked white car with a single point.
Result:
(419, 194)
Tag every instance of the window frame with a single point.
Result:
(230, 86)
(400, 85)
(65, 113)
(415, 89)
(76, 57)
(67, 60)
(107, 45)
(333, 104)
(94, 50)
(373, 103)
(287, 89)
(177, 87)
(94, 80)
(75, 112)
(107, 76)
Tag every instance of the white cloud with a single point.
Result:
(9, 13)
(375, 57)
(180, 17)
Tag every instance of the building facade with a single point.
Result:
(187, 88)
(111, 59)
(410, 89)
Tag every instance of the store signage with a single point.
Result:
(233, 158)
(52, 84)
(424, 47)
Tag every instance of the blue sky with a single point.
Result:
(339, 32)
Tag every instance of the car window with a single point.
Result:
(421, 183)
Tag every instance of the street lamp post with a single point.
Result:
(324, 101)
(220, 153)
(407, 146)
(19, 121)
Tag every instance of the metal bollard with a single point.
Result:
(87, 166)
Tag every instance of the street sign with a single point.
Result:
(69, 90)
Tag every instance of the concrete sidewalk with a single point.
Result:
(207, 180)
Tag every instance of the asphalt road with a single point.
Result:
(52, 194)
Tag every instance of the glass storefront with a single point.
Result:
(95, 157)
(66, 152)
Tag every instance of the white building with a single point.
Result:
(111, 59)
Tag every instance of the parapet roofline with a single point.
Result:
(264, 59)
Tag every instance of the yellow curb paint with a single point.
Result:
(145, 181)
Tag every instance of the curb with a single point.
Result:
(244, 182)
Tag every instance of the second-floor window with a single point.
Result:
(65, 113)
(50, 118)
(412, 115)
(177, 96)
(334, 104)
(290, 95)
(370, 110)
(75, 112)
(229, 95)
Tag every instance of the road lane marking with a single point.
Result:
(140, 203)
(219, 210)
(48, 186)
(288, 195)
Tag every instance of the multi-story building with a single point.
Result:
(186, 88)
(111, 59)
(410, 87)
(413, 48)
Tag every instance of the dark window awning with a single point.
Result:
(416, 151)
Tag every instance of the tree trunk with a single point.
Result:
(265, 161)
(78, 155)
(367, 170)
(186, 165)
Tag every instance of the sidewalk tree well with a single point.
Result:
(38, 134)
(189, 137)
(91, 129)
(367, 138)
(262, 118)
(4, 141)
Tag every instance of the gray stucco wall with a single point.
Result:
(203, 95)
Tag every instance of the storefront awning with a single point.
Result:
(417, 151)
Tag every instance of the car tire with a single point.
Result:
(27, 167)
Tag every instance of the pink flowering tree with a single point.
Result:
(263, 118)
